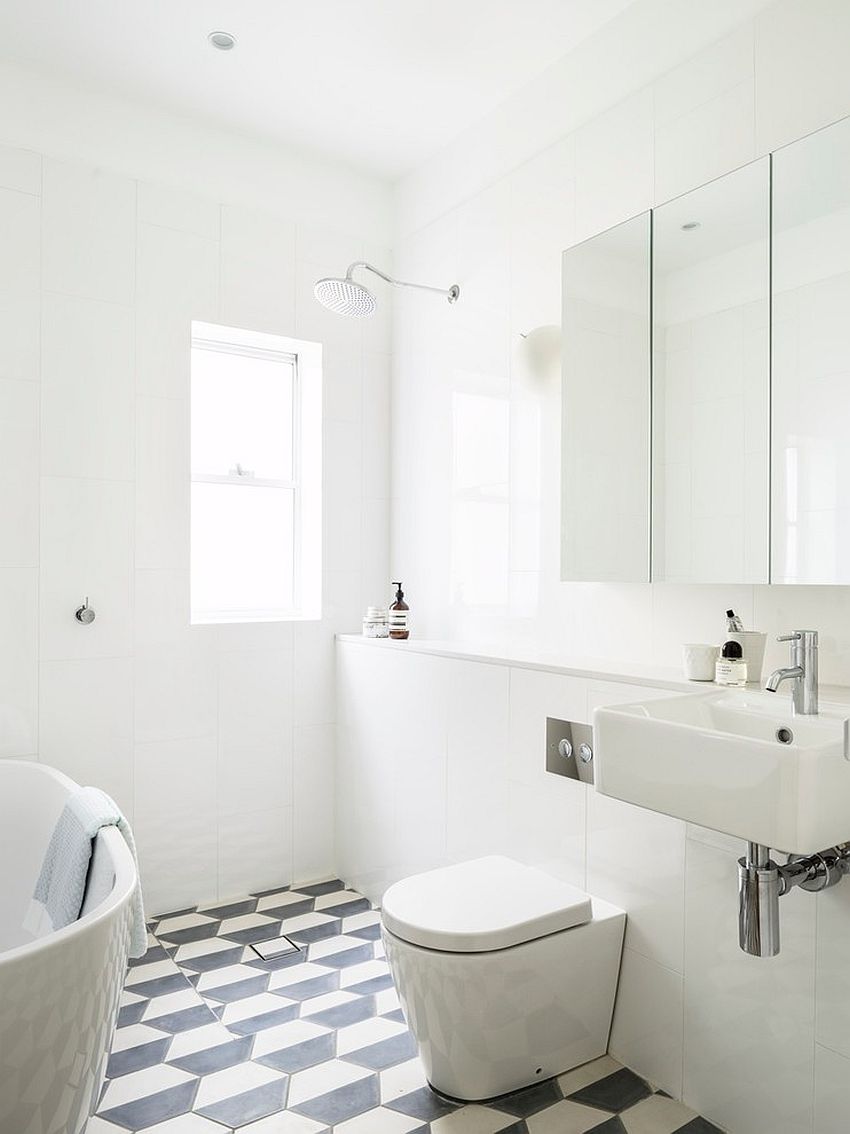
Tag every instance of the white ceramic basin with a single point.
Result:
(718, 759)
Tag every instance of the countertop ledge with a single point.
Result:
(591, 669)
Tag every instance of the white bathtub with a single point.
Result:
(58, 993)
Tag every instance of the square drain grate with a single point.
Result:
(277, 947)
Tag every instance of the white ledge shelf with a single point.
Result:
(591, 669)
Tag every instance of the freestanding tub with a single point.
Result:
(58, 993)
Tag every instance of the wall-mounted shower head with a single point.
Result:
(344, 296)
(348, 297)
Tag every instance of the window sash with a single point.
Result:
(289, 486)
(245, 350)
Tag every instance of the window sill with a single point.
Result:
(226, 618)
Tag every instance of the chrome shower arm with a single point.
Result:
(451, 292)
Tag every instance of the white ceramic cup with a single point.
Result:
(698, 661)
(752, 644)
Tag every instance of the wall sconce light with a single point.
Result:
(538, 354)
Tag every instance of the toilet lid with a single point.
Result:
(475, 907)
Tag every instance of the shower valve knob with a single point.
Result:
(85, 614)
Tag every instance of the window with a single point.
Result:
(256, 476)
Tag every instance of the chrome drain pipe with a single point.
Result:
(761, 883)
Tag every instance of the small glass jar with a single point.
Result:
(376, 623)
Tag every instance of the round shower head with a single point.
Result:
(344, 296)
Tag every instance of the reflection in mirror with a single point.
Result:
(711, 382)
(811, 359)
(605, 407)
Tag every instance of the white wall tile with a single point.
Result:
(20, 329)
(832, 1007)
(19, 473)
(542, 220)
(20, 169)
(377, 376)
(313, 803)
(705, 116)
(19, 662)
(88, 231)
(20, 242)
(647, 1031)
(342, 383)
(801, 77)
(175, 693)
(649, 886)
(177, 281)
(476, 760)
(375, 552)
(313, 678)
(162, 483)
(254, 851)
(86, 723)
(614, 165)
(705, 143)
(257, 271)
(175, 208)
(832, 1091)
(86, 550)
(87, 388)
(174, 822)
(254, 729)
(547, 827)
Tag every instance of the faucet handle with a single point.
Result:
(795, 637)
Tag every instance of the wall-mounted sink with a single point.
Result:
(732, 760)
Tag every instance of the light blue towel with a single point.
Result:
(61, 886)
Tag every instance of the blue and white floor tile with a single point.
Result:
(222, 1030)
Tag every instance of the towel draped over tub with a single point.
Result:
(61, 887)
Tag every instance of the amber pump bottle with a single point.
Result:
(399, 613)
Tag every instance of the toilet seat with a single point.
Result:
(481, 906)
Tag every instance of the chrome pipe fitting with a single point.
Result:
(758, 902)
(761, 883)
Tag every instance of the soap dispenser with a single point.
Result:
(399, 613)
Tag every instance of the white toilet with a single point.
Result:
(507, 976)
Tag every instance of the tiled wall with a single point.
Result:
(444, 760)
(763, 85)
(218, 742)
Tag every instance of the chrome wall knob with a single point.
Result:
(85, 614)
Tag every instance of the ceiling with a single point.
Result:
(379, 84)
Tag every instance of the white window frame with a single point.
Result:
(306, 481)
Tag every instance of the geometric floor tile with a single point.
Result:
(614, 1092)
(214, 1038)
(343, 1103)
(239, 1110)
(323, 1080)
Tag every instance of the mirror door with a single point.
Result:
(711, 382)
(605, 406)
(811, 359)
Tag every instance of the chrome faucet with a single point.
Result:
(803, 671)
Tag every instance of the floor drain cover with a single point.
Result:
(274, 948)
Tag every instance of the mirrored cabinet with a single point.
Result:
(810, 430)
(711, 381)
(605, 419)
(706, 381)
